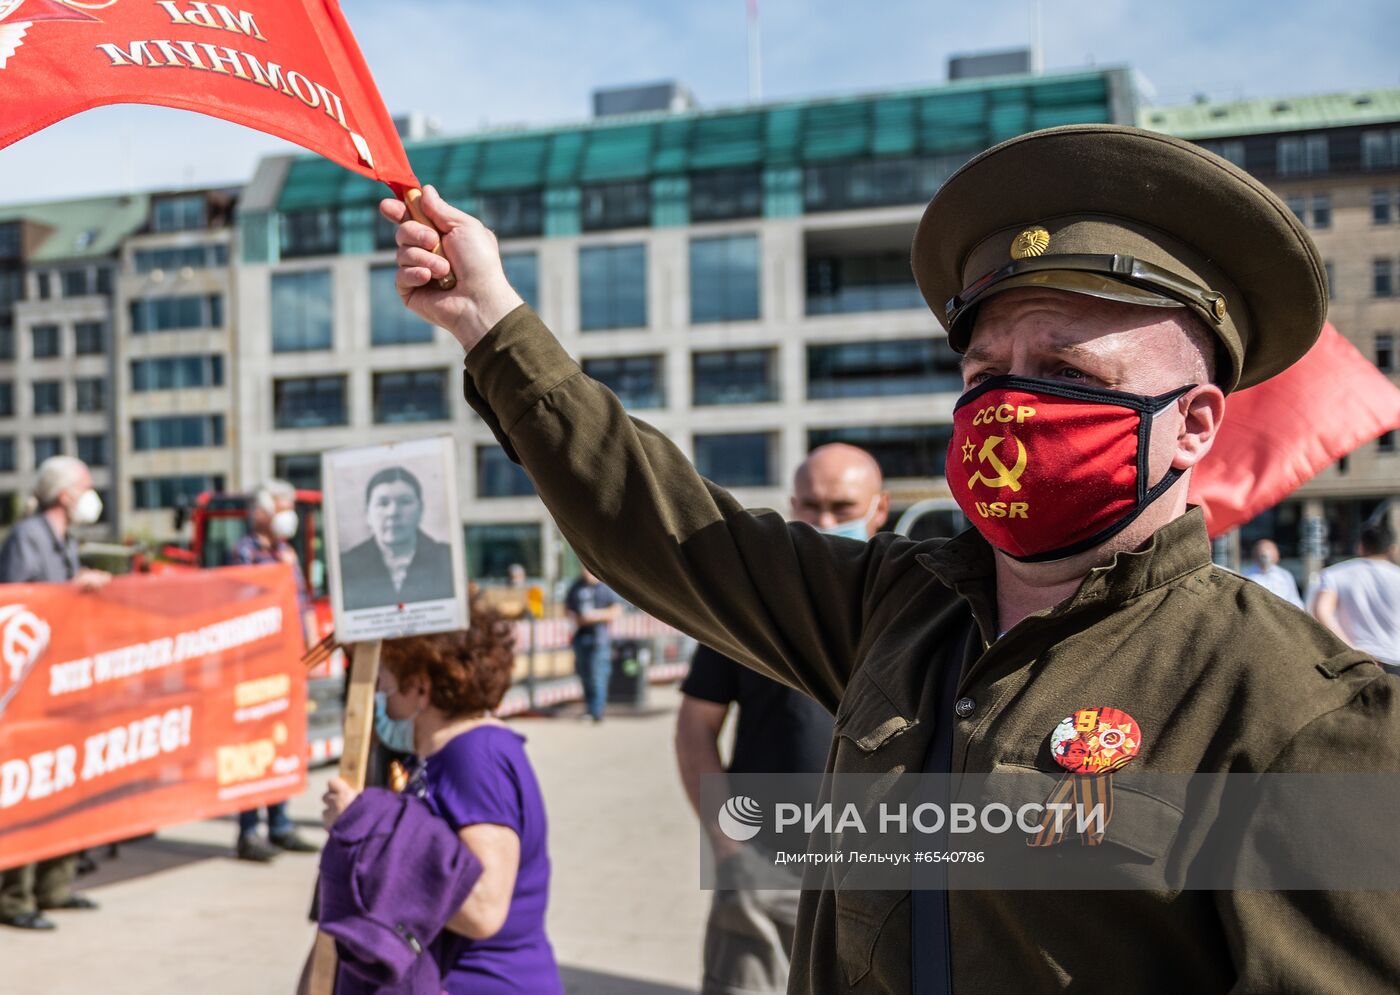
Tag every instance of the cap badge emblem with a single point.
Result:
(1031, 242)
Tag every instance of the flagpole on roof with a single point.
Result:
(755, 55)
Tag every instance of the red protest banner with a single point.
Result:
(151, 702)
(287, 67)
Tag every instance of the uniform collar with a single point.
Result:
(966, 563)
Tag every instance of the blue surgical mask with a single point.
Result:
(856, 528)
(395, 734)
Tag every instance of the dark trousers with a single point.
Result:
(593, 661)
(279, 823)
(25, 889)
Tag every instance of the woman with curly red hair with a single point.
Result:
(475, 774)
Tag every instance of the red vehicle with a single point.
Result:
(219, 521)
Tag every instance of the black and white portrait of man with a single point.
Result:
(399, 563)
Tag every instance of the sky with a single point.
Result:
(473, 64)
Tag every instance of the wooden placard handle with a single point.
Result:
(412, 200)
(354, 760)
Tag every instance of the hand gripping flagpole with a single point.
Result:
(412, 199)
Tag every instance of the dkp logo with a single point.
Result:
(23, 638)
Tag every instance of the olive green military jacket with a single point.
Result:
(1221, 675)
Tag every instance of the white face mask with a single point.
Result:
(284, 524)
(87, 509)
(856, 528)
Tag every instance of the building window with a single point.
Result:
(176, 373)
(491, 549)
(301, 311)
(1302, 155)
(46, 341)
(92, 449)
(176, 258)
(1383, 277)
(1380, 207)
(177, 432)
(92, 394)
(11, 286)
(309, 402)
(301, 470)
(868, 282)
(523, 272)
(839, 186)
(882, 369)
(736, 376)
(612, 286)
(313, 232)
(903, 451)
(167, 314)
(7, 455)
(390, 323)
(1385, 442)
(104, 280)
(48, 397)
(1298, 204)
(724, 279)
(743, 459)
(75, 283)
(410, 395)
(1322, 210)
(1330, 272)
(519, 214)
(7, 398)
(1231, 150)
(607, 206)
(11, 240)
(497, 476)
(180, 213)
(722, 194)
(46, 447)
(636, 380)
(1380, 149)
(153, 493)
(90, 338)
(1385, 352)
(7, 337)
(44, 283)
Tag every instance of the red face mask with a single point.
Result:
(1046, 469)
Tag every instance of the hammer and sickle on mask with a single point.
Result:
(1005, 476)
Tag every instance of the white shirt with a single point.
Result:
(1368, 605)
(1278, 580)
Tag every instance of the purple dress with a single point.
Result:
(482, 775)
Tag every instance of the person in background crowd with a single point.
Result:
(838, 490)
(592, 607)
(41, 549)
(273, 523)
(1359, 599)
(1266, 572)
(475, 774)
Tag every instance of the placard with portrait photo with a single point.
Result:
(394, 540)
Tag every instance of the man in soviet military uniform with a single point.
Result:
(1107, 287)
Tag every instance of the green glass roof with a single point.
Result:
(89, 228)
(959, 117)
(1251, 117)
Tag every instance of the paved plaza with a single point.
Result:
(180, 915)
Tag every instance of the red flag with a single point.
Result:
(1277, 435)
(290, 68)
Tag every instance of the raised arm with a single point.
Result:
(782, 598)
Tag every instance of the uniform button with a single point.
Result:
(965, 707)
